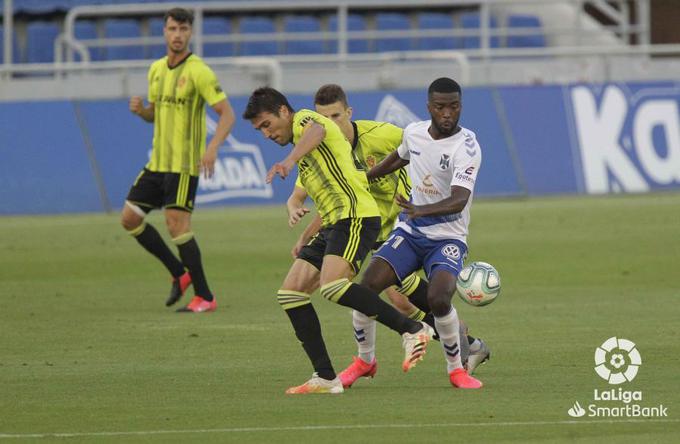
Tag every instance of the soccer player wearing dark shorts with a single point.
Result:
(351, 223)
(180, 85)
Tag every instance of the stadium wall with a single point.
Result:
(82, 156)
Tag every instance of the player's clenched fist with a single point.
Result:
(136, 104)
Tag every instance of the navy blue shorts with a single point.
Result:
(407, 253)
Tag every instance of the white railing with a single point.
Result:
(68, 44)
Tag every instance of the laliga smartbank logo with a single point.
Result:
(617, 361)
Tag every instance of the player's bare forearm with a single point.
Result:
(224, 124)
(389, 164)
(295, 206)
(310, 139)
(451, 205)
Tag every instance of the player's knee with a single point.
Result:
(130, 221)
(440, 304)
(373, 283)
(399, 301)
(177, 227)
(131, 217)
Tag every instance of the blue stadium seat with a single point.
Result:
(257, 25)
(217, 26)
(438, 21)
(354, 23)
(391, 21)
(84, 29)
(123, 28)
(16, 57)
(472, 20)
(536, 40)
(156, 51)
(302, 23)
(40, 37)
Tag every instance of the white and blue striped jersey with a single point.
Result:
(434, 167)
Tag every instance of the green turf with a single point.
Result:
(87, 346)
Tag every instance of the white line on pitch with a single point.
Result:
(332, 427)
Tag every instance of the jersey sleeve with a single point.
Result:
(403, 149)
(466, 163)
(394, 134)
(302, 119)
(208, 86)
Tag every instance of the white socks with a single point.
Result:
(364, 334)
(448, 329)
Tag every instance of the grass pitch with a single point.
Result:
(90, 353)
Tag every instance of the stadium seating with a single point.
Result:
(302, 23)
(536, 40)
(217, 26)
(40, 37)
(392, 22)
(257, 25)
(354, 23)
(438, 21)
(472, 20)
(16, 57)
(85, 29)
(156, 51)
(123, 28)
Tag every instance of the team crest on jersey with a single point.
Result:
(451, 251)
(370, 161)
(181, 82)
(444, 162)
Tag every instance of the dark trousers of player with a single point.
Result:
(335, 240)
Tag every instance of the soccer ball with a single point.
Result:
(478, 284)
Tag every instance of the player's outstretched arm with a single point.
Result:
(224, 124)
(312, 136)
(147, 113)
(295, 205)
(451, 205)
(389, 164)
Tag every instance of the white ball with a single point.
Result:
(478, 284)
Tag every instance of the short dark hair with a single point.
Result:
(180, 15)
(265, 99)
(444, 85)
(330, 93)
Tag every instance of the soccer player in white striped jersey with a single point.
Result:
(443, 160)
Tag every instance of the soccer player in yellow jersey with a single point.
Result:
(371, 142)
(180, 86)
(351, 224)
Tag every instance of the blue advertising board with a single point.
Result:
(83, 156)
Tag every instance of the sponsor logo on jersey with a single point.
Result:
(427, 187)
